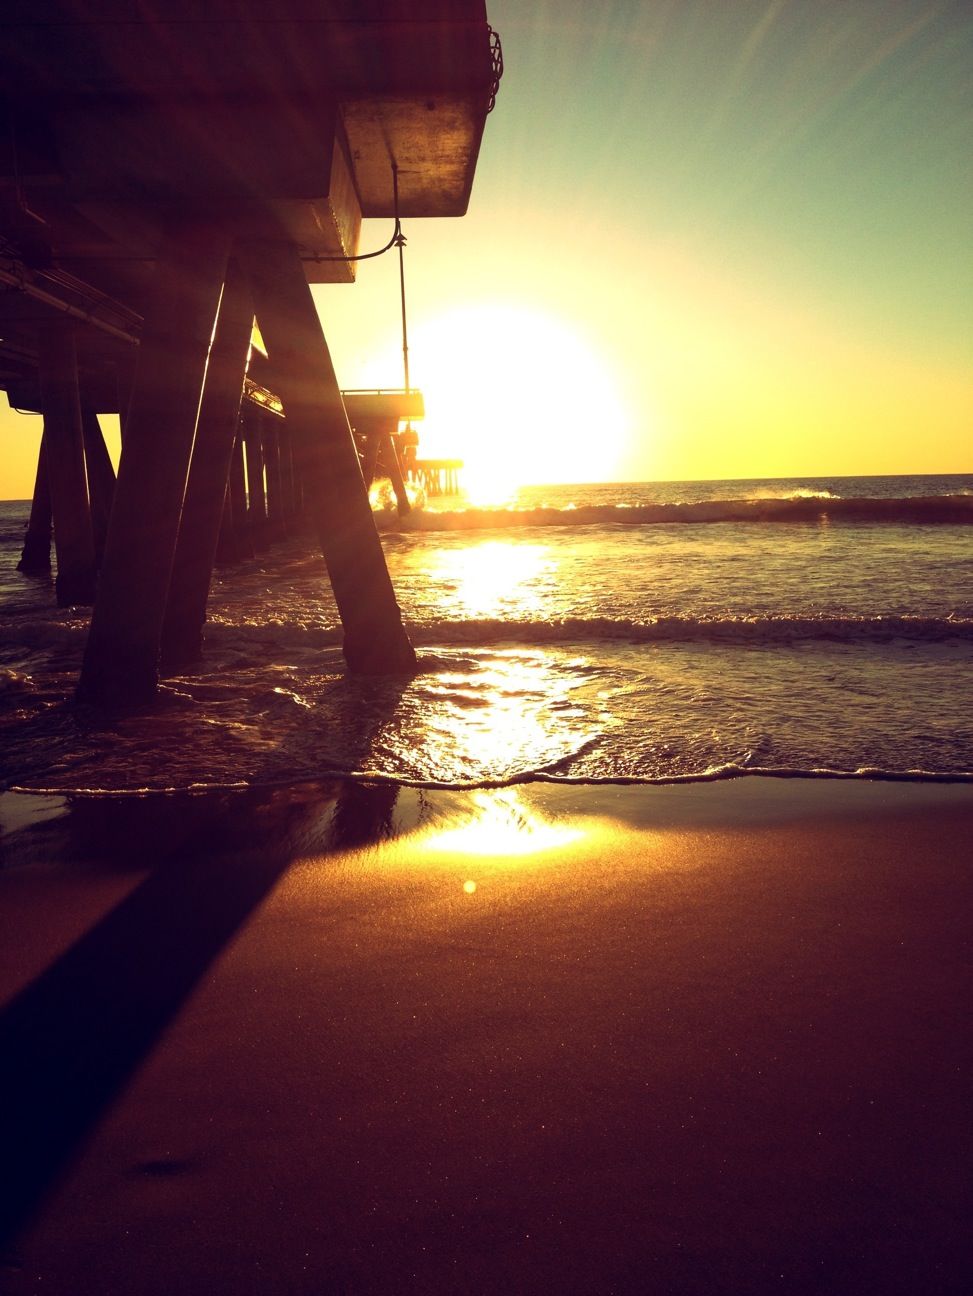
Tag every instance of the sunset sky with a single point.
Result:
(707, 239)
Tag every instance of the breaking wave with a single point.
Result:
(715, 774)
(795, 506)
(667, 629)
(619, 654)
(277, 636)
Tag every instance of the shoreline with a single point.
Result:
(735, 796)
(546, 1038)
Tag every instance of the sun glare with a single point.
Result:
(519, 395)
(495, 578)
(499, 825)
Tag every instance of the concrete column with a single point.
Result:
(121, 661)
(64, 451)
(286, 472)
(241, 547)
(256, 491)
(375, 641)
(275, 486)
(101, 480)
(124, 381)
(35, 558)
(369, 460)
(202, 510)
(226, 542)
(392, 467)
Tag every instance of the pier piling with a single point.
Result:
(272, 467)
(137, 161)
(256, 491)
(35, 558)
(101, 480)
(375, 641)
(64, 454)
(287, 475)
(372, 443)
(121, 660)
(238, 542)
(394, 469)
(203, 506)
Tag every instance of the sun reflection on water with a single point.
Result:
(496, 578)
(513, 711)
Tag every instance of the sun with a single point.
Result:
(520, 396)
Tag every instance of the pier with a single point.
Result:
(375, 417)
(438, 476)
(165, 180)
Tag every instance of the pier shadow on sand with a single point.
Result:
(75, 1035)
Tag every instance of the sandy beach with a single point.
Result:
(364, 1039)
(486, 798)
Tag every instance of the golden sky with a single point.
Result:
(755, 219)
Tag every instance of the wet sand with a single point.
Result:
(680, 1040)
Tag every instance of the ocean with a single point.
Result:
(633, 632)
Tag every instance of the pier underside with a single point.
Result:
(165, 180)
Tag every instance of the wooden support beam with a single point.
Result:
(375, 641)
(35, 558)
(64, 452)
(101, 480)
(202, 510)
(121, 661)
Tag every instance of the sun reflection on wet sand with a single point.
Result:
(502, 827)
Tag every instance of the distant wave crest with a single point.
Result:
(799, 506)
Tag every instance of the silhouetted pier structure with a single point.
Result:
(168, 172)
(438, 476)
(374, 417)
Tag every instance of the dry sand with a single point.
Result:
(567, 1040)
